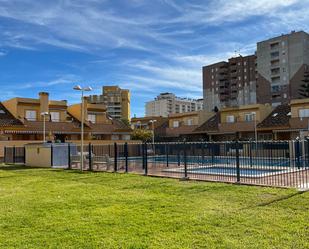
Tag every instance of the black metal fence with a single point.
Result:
(271, 163)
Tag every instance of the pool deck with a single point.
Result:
(293, 177)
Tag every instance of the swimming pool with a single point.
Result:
(228, 171)
(221, 160)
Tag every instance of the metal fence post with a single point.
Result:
(69, 156)
(24, 149)
(143, 156)
(185, 161)
(212, 153)
(90, 156)
(126, 156)
(115, 157)
(178, 153)
(145, 160)
(250, 153)
(51, 155)
(237, 161)
(14, 154)
(203, 153)
(307, 143)
(297, 153)
(5, 154)
(167, 151)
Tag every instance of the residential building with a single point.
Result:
(8, 122)
(287, 121)
(274, 75)
(167, 103)
(232, 83)
(281, 64)
(116, 100)
(234, 123)
(148, 123)
(62, 122)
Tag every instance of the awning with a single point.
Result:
(40, 132)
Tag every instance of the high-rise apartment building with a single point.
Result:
(117, 101)
(167, 103)
(281, 64)
(230, 83)
(273, 75)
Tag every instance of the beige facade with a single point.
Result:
(93, 113)
(31, 109)
(183, 119)
(248, 113)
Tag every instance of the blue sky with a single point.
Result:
(146, 46)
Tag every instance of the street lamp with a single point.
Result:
(82, 89)
(152, 122)
(44, 126)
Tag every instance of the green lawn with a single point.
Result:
(44, 208)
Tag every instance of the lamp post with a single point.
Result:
(82, 89)
(44, 126)
(255, 129)
(152, 122)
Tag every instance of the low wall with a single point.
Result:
(18, 143)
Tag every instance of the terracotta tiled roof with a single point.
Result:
(7, 119)
(277, 118)
(54, 127)
(211, 124)
(114, 126)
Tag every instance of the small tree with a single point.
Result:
(144, 135)
(304, 88)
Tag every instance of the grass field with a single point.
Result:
(45, 208)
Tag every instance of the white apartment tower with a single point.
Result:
(167, 103)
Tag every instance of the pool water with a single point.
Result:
(285, 162)
(232, 171)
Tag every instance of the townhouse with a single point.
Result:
(25, 119)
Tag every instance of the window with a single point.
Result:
(249, 117)
(126, 137)
(304, 113)
(31, 115)
(176, 124)
(55, 116)
(230, 119)
(190, 122)
(92, 118)
(115, 137)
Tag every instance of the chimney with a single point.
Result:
(44, 102)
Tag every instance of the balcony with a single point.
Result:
(274, 55)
